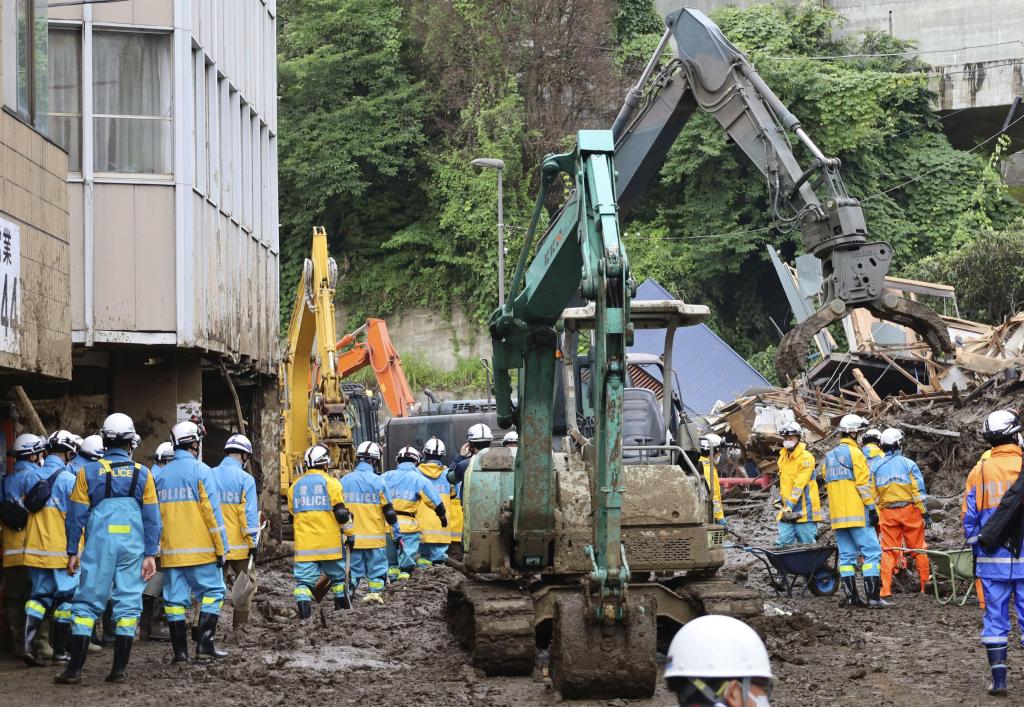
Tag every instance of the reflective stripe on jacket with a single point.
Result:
(711, 477)
(988, 481)
(194, 532)
(430, 525)
(797, 487)
(91, 488)
(366, 496)
(236, 491)
(45, 538)
(896, 481)
(311, 501)
(409, 490)
(849, 486)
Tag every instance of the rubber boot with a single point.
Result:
(109, 627)
(158, 625)
(16, 622)
(305, 609)
(850, 595)
(997, 664)
(873, 588)
(342, 601)
(31, 656)
(205, 646)
(61, 634)
(72, 674)
(179, 641)
(43, 650)
(122, 652)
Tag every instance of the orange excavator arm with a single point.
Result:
(377, 351)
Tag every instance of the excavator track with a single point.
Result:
(720, 596)
(590, 659)
(494, 622)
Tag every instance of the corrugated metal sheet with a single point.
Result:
(707, 369)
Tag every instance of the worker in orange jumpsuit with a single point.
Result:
(902, 513)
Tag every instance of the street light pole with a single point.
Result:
(499, 167)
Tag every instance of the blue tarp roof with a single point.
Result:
(707, 369)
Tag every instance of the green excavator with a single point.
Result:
(591, 549)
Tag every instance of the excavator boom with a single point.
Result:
(379, 353)
(710, 74)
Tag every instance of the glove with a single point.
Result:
(927, 520)
(220, 561)
(444, 521)
(790, 516)
(400, 542)
(873, 517)
(350, 540)
(722, 522)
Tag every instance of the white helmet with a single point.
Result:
(164, 452)
(61, 441)
(119, 428)
(369, 450)
(872, 435)
(26, 445)
(791, 429)
(852, 423)
(238, 443)
(434, 449)
(185, 434)
(92, 447)
(511, 439)
(317, 457)
(710, 442)
(717, 647)
(891, 437)
(480, 433)
(78, 441)
(408, 454)
(1001, 425)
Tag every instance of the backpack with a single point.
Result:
(40, 493)
(12, 513)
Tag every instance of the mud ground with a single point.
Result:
(916, 653)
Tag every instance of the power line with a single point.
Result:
(941, 166)
(907, 53)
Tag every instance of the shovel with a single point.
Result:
(244, 588)
(323, 585)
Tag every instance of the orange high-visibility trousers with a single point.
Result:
(902, 527)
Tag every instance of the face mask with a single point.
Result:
(761, 701)
(789, 443)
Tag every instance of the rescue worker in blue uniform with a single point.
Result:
(434, 537)
(852, 513)
(45, 544)
(409, 490)
(478, 438)
(193, 544)
(239, 505)
(366, 498)
(1001, 574)
(28, 454)
(114, 502)
(322, 522)
(90, 450)
(162, 456)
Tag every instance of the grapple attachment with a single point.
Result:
(792, 355)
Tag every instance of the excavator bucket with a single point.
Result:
(792, 355)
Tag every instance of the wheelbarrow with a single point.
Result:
(812, 567)
(954, 566)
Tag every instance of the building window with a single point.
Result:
(65, 57)
(31, 69)
(202, 151)
(132, 102)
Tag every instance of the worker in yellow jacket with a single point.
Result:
(193, 544)
(434, 537)
(801, 506)
(236, 490)
(851, 507)
(321, 520)
(710, 445)
(366, 498)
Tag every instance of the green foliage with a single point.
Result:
(467, 378)
(764, 363)
(987, 270)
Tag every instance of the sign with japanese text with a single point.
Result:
(10, 285)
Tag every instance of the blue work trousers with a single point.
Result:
(51, 589)
(998, 596)
(180, 583)
(796, 533)
(371, 563)
(308, 573)
(406, 561)
(111, 568)
(432, 554)
(855, 543)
